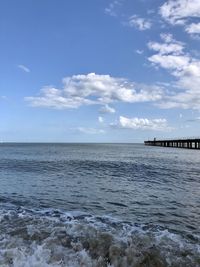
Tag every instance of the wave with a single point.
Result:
(54, 238)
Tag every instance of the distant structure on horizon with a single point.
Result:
(190, 143)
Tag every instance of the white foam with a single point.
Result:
(74, 239)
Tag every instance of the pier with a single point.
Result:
(190, 143)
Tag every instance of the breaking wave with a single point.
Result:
(54, 238)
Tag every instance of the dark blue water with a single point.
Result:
(99, 205)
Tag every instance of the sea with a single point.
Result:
(99, 205)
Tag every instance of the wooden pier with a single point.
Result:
(190, 143)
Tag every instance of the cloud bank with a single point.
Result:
(170, 55)
(142, 123)
(90, 89)
(180, 12)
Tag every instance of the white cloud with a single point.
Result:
(173, 62)
(181, 12)
(112, 8)
(107, 109)
(90, 130)
(24, 68)
(55, 98)
(166, 48)
(100, 119)
(178, 11)
(91, 89)
(186, 70)
(193, 28)
(142, 123)
(169, 54)
(139, 23)
(167, 37)
(139, 52)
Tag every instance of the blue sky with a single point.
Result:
(99, 70)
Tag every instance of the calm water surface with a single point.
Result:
(99, 205)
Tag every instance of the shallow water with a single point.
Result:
(99, 205)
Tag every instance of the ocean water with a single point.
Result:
(99, 205)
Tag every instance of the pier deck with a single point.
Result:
(190, 143)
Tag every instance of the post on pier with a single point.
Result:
(195, 142)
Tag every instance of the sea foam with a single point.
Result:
(54, 238)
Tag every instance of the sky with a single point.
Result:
(99, 70)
